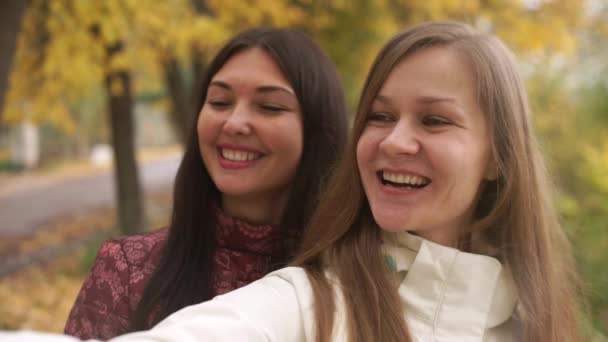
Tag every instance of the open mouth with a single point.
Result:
(238, 155)
(402, 180)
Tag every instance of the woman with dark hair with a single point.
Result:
(273, 122)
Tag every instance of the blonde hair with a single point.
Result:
(514, 214)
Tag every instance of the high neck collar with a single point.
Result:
(437, 279)
(239, 235)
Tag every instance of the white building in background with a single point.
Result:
(101, 155)
(24, 144)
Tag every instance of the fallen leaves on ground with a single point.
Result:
(40, 297)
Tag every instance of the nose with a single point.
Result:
(403, 139)
(238, 121)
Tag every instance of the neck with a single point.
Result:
(448, 234)
(441, 238)
(255, 209)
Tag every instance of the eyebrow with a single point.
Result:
(382, 98)
(420, 99)
(262, 89)
(434, 99)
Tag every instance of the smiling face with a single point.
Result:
(250, 134)
(425, 148)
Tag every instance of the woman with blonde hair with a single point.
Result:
(437, 225)
(444, 156)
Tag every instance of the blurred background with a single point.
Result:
(97, 97)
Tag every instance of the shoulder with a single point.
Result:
(117, 258)
(127, 263)
(141, 254)
(280, 304)
(294, 277)
(288, 287)
(269, 309)
(132, 251)
(140, 249)
(114, 285)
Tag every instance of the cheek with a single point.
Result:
(479, 159)
(364, 151)
(364, 155)
(293, 147)
(287, 134)
(206, 127)
(451, 154)
(359, 154)
(298, 137)
(463, 164)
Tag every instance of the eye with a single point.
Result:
(435, 121)
(273, 108)
(219, 104)
(380, 117)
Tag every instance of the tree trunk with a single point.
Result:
(186, 98)
(185, 101)
(180, 115)
(199, 62)
(199, 71)
(11, 12)
(126, 176)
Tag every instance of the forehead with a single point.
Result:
(252, 66)
(434, 71)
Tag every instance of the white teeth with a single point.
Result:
(238, 155)
(400, 178)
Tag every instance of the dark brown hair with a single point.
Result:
(184, 274)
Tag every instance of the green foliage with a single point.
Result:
(572, 127)
(90, 252)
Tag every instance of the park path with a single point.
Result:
(23, 211)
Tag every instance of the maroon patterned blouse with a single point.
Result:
(114, 286)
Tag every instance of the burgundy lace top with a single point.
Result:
(123, 266)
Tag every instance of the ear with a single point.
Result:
(491, 172)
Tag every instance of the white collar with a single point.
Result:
(447, 289)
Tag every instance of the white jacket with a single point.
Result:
(448, 295)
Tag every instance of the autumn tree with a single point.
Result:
(72, 49)
(68, 51)
(353, 31)
(11, 12)
(112, 34)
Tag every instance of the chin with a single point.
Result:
(232, 190)
(391, 219)
(389, 224)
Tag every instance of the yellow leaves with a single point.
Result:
(206, 34)
(442, 9)
(597, 165)
(549, 27)
(567, 205)
(238, 14)
(63, 42)
(51, 109)
(118, 62)
(116, 87)
(46, 105)
(48, 309)
(59, 61)
(41, 296)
